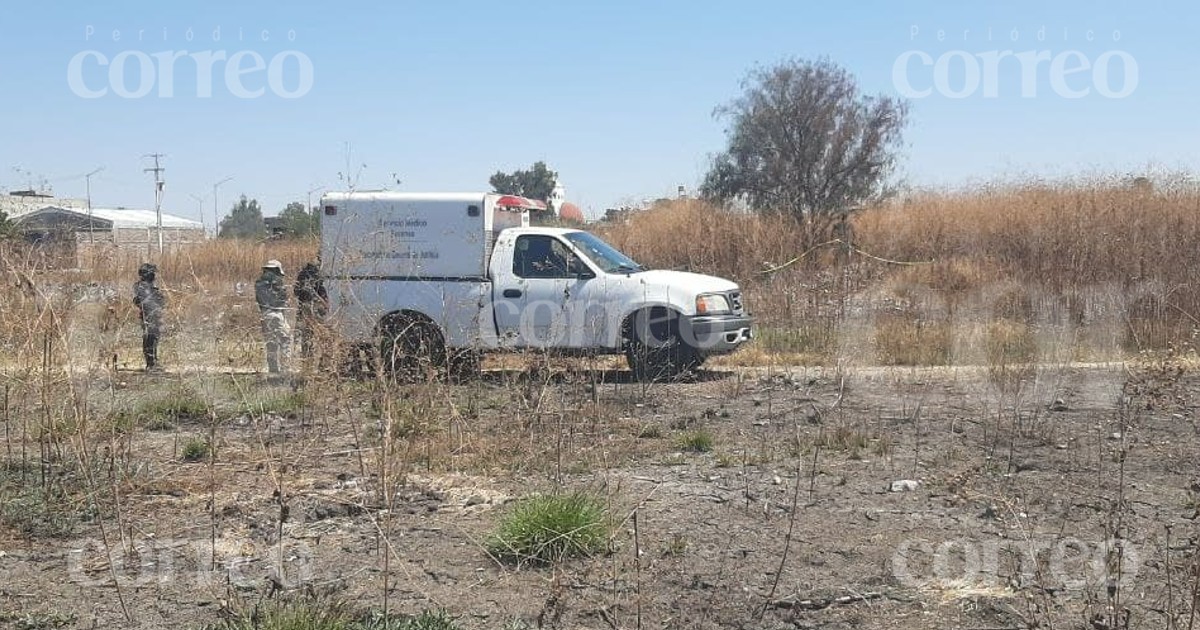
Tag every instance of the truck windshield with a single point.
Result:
(605, 256)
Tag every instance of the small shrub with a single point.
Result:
(675, 547)
(844, 438)
(403, 417)
(814, 338)
(53, 510)
(550, 528)
(121, 422)
(427, 620)
(38, 513)
(908, 339)
(318, 614)
(883, 446)
(292, 615)
(159, 423)
(196, 449)
(698, 441)
(1010, 341)
(1011, 353)
(650, 431)
(673, 459)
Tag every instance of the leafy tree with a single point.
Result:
(535, 183)
(804, 141)
(7, 228)
(245, 220)
(296, 222)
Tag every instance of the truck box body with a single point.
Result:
(413, 235)
(424, 252)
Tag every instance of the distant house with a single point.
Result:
(69, 237)
(19, 202)
(276, 227)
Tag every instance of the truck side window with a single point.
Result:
(540, 256)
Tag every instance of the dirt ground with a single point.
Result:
(1049, 496)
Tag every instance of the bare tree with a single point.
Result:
(805, 142)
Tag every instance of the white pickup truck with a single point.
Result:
(444, 277)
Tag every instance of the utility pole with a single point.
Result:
(309, 207)
(216, 209)
(91, 224)
(158, 190)
(199, 208)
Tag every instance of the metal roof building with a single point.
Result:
(73, 237)
(104, 218)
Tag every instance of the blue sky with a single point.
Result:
(618, 96)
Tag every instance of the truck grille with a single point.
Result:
(735, 300)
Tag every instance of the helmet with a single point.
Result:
(276, 265)
(147, 271)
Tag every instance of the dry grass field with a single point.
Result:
(963, 410)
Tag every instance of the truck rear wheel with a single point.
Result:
(410, 348)
(656, 351)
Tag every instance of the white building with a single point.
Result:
(557, 197)
(74, 237)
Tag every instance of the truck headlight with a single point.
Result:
(712, 304)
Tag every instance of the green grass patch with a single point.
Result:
(852, 441)
(315, 614)
(42, 508)
(288, 405)
(290, 615)
(40, 513)
(177, 405)
(38, 620)
(698, 441)
(427, 620)
(550, 528)
(196, 449)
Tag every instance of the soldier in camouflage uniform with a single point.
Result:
(151, 302)
(271, 293)
(313, 303)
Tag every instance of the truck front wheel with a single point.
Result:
(656, 351)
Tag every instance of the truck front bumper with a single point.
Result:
(717, 334)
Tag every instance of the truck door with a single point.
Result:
(531, 301)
